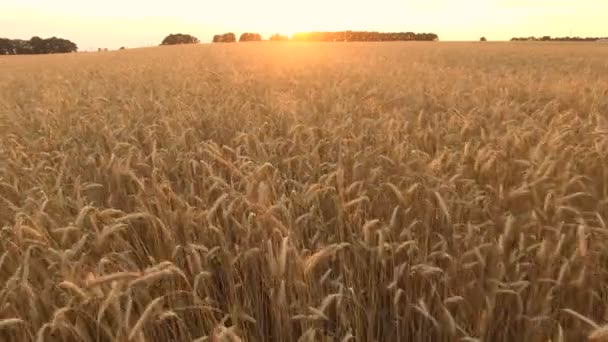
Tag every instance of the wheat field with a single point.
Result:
(306, 192)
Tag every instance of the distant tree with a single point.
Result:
(6, 47)
(21, 47)
(363, 36)
(250, 37)
(178, 38)
(559, 39)
(224, 38)
(483, 39)
(59, 45)
(229, 37)
(36, 45)
(122, 48)
(278, 38)
(427, 37)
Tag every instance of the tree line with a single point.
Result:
(557, 39)
(341, 36)
(178, 38)
(224, 38)
(363, 36)
(36, 46)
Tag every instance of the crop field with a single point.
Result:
(306, 192)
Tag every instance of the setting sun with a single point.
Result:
(116, 23)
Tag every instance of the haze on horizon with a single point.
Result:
(136, 23)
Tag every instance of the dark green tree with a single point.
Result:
(483, 39)
(178, 38)
(6, 47)
(362, 36)
(250, 37)
(229, 37)
(59, 45)
(22, 47)
(224, 38)
(36, 45)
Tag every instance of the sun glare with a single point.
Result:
(271, 16)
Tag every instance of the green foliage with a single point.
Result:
(250, 37)
(36, 46)
(363, 36)
(6, 46)
(558, 39)
(178, 38)
(224, 38)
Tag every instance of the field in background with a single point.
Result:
(311, 192)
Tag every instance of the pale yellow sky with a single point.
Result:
(114, 23)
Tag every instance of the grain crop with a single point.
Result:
(306, 192)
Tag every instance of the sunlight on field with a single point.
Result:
(305, 192)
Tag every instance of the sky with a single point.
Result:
(110, 24)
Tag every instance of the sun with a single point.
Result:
(285, 27)
(278, 18)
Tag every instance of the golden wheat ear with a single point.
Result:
(599, 335)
